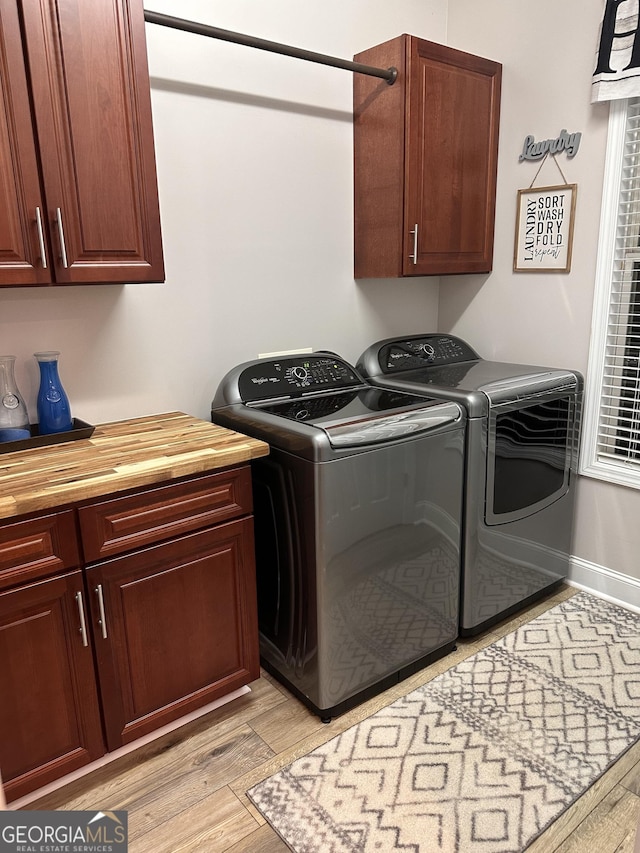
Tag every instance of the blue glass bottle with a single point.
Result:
(54, 412)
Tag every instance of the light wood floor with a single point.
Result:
(186, 790)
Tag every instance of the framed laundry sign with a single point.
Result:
(544, 229)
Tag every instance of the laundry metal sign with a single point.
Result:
(568, 142)
(544, 229)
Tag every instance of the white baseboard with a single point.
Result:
(613, 586)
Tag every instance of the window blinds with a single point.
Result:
(618, 437)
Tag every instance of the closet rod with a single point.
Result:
(388, 74)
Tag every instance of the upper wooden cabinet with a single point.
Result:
(425, 161)
(78, 189)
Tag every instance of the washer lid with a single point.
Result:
(366, 415)
(392, 427)
(347, 406)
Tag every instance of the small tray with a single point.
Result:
(80, 429)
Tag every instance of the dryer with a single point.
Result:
(357, 512)
(520, 468)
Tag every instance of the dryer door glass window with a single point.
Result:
(529, 458)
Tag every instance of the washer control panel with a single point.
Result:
(293, 376)
(423, 351)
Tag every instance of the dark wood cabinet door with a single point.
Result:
(452, 148)
(23, 253)
(49, 718)
(425, 161)
(92, 105)
(175, 627)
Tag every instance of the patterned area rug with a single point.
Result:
(482, 758)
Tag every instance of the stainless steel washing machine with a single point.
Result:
(521, 462)
(357, 515)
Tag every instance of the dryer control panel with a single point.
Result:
(293, 376)
(423, 351)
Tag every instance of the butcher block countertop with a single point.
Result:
(119, 456)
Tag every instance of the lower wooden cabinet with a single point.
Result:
(49, 715)
(92, 658)
(175, 627)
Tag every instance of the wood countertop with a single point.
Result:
(119, 456)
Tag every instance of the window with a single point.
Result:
(611, 423)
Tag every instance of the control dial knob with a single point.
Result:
(300, 373)
(428, 350)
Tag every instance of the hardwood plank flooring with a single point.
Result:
(186, 791)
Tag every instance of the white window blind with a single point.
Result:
(611, 423)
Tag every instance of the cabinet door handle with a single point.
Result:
(414, 255)
(63, 245)
(43, 253)
(83, 623)
(102, 621)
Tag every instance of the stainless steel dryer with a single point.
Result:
(357, 514)
(521, 458)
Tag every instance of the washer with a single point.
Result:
(521, 463)
(357, 512)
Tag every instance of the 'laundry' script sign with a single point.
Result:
(569, 142)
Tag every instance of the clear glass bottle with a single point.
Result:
(54, 411)
(14, 420)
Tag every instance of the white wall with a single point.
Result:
(254, 154)
(548, 51)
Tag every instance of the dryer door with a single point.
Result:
(531, 449)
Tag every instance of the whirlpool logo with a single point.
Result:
(63, 832)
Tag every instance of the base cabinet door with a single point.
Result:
(175, 627)
(49, 715)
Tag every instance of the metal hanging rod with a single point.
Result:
(388, 74)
